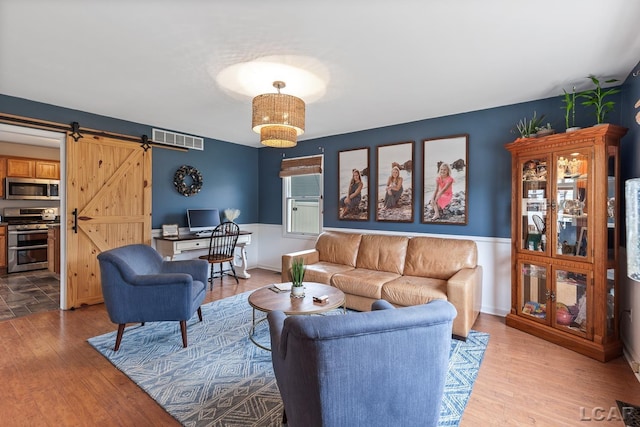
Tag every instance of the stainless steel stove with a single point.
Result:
(27, 230)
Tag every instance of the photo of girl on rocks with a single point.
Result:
(353, 182)
(395, 183)
(445, 180)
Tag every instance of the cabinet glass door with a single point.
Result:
(571, 301)
(571, 204)
(534, 205)
(533, 291)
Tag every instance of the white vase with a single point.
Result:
(297, 291)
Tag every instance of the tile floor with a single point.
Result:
(29, 292)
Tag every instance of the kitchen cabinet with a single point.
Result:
(32, 168)
(53, 249)
(565, 239)
(3, 249)
(21, 168)
(3, 175)
(47, 169)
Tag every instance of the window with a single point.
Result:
(302, 191)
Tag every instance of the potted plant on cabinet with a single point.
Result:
(528, 128)
(570, 110)
(297, 276)
(595, 98)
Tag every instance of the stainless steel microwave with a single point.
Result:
(31, 189)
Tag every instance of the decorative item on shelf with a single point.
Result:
(231, 214)
(545, 130)
(170, 230)
(595, 98)
(278, 118)
(297, 277)
(527, 128)
(185, 188)
(570, 110)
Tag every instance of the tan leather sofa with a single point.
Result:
(402, 270)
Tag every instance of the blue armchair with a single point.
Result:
(138, 286)
(386, 367)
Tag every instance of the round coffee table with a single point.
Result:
(266, 300)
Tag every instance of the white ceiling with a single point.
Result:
(389, 62)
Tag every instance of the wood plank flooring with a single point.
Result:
(51, 376)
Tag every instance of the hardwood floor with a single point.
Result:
(51, 376)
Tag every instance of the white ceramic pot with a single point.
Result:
(297, 291)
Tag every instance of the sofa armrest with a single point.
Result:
(464, 291)
(310, 256)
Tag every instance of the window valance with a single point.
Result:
(301, 166)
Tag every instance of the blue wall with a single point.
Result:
(489, 165)
(631, 143)
(229, 180)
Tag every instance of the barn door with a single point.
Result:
(108, 205)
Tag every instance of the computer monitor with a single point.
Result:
(202, 221)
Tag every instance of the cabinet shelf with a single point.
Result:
(565, 243)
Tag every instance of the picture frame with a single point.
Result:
(170, 230)
(453, 152)
(394, 189)
(355, 206)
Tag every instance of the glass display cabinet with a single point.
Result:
(565, 239)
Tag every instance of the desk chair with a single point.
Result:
(221, 249)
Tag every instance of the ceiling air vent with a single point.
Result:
(177, 139)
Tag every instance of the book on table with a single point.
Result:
(281, 287)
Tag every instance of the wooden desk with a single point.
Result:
(172, 246)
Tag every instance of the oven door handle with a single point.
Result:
(26, 248)
(42, 230)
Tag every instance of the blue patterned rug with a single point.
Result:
(222, 379)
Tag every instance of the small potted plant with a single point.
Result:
(544, 130)
(570, 110)
(527, 128)
(297, 276)
(595, 98)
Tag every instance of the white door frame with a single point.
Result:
(45, 138)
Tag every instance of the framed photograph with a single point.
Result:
(444, 177)
(394, 187)
(353, 184)
(170, 230)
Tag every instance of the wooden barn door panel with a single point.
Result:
(109, 183)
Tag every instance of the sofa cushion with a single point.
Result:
(382, 253)
(338, 248)
(412, 290)
(363, 282)
(321, 272)
(439, 258)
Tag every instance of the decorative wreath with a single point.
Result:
(196, 180)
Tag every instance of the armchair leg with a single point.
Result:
(183, 329)
(200, 313)
(119, 335)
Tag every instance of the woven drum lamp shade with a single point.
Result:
(278, 118)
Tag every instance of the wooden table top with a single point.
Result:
(264, 299)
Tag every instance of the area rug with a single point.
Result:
(222, 379)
